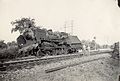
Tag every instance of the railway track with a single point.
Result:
(70, 65)
(44, 60)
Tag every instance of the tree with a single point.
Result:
(25, 26)
(13, 43)
(2, 44)
(22, 24)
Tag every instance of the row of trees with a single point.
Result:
(7, 45)
(93, 45)
(8, 50)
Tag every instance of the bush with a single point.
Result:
(9, 53)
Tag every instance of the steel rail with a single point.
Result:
(48, 59)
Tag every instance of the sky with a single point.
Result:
(91, 18)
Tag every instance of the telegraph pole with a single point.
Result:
(95, 43)
(65, 27)
(72, 27)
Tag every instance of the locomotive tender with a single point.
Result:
(41, 42)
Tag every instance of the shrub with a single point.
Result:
(9, 53)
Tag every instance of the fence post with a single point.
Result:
(116, 50)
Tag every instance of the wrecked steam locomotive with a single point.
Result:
(41, 42)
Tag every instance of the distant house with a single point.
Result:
(74, 42)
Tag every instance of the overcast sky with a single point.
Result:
(100, 18)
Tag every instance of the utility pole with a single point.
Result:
(65, 27)
(95, 43)
(72, 27)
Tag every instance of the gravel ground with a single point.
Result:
(101, 70)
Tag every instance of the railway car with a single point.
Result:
(41, 42)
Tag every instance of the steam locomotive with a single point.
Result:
(41, 42)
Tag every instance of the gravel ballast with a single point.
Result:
(105, 69)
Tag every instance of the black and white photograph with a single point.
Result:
(59, 40)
